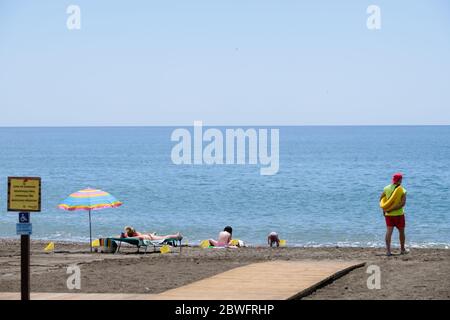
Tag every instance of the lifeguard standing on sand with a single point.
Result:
(392, 202)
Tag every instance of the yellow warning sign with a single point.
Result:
(24, 194)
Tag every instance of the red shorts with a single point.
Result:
(395, 221)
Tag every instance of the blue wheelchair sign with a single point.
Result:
(24, 229)
(24, 217)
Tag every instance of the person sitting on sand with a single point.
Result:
(130, 232)
(395, 217)
(224, 239)
(273, 238)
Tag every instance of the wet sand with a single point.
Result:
(421, 274)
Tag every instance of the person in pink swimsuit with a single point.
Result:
(224, 239)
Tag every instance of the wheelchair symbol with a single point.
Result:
(23, 217)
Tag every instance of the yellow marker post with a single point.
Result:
(50, 247)
(164, 249)
(282, 243)
(96, 243)
(234, 242)
(204, 244)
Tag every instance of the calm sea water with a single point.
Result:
(326, 191)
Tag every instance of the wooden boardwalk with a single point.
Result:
(274, 280)
(277, 280)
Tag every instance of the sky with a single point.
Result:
(224, 62)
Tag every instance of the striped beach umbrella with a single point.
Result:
(89, 200)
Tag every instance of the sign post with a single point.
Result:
(24, 254)
(24, 196)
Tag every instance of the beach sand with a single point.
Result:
(421, 274)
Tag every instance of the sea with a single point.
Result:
(325, 193)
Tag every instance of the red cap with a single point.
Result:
(397, 177)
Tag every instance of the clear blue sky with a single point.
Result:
(226, 62)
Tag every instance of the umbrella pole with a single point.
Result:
(90, 230)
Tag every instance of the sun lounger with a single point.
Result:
(147, 243)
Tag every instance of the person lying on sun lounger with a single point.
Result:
(224, 239)
(130, 232)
